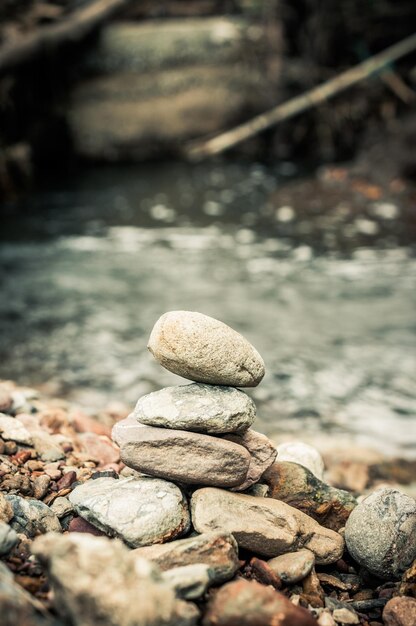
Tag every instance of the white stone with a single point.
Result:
(303, 454)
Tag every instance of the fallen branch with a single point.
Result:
(301, 103)
(68, 30)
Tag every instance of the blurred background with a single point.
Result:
(302, 237)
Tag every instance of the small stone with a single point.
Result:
(99, 448)
(110, 587)
(204, 349)
(179, 455)
(326, 619)
(262, 453)
(40, 486)
(140, 511)
(6, 400)
(400, 611)
(67, 479)
(200, 408)
(248, 603)
(218, 550)
(47, 447)
(52, 470)
(189, 581)
(262, 525)
(303, 454)
(294, 484)
(293, 566)
(8, 538)
(312, 590)
(32, 517)
(345, 616)
(381, 533)
(61, 506)
(11, 429)
(6, 509)
(80, 525)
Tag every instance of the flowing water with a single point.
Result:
(88, 267)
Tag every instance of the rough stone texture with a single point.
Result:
(47, 447)
(381, 533)
(400, 611)
(345, 616)
(124, 430)
(197, 407)
(140, 511)
(99, 448)
(218, 550)
(296, 485)
(191, 458)
(262, 452)
(109, 586)
(189, 581)
(204, 349)
(248, 603)
(293, 566)
(303, 454)
(262, 525)
(12, 430)
(61, 507)
(32, 517)
(8, 538)
(6, 509)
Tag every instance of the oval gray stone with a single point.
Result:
(293, 566)
(141, 511)
(264, 526)
(380, 533)
(182, 456)
(197, 407)
(204, 349)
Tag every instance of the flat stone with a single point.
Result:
(99, 448)
(345, 616)
(262, 453)
(140, 511)
(400, 611)
(32, 517)
(262, 525)
(381, 533)
(189, 581)
(218, 550)
(96, 581)
(200, 408)
(204, 349)
(248, 603)
(296, 485)
(13, 430)
(303, 454)
(293, 566)
(179, 455)
(8, 538)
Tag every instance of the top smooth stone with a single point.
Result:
(204, 349)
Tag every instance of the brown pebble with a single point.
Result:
(67, 480)
(400, 611)
(263, 573)
(40, 486)
(80, 525)
(6, 400)
(364, 594)
(10, 447)
(312, 590)
(22, 456)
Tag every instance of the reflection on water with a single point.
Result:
(84, 280)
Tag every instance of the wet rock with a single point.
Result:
(303, 454)
(99, 448)
(218, 550)
(400, 611)
(248, 603)
(381, 533)
(8, 538)
(32, 517)
(121, 591)
(140, 511)
(293, 566)
(11, 429)
(200, 408)
(189, 581)
(296, 485)
(179, 455)
(262, 525)
(262, 453)
(204, 349)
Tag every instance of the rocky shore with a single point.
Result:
(180, 513)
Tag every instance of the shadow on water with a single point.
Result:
(88, 267)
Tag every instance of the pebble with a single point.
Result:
(32, 517)
(189, 581)
(345, 616)
(400, 611)
(200, 408)
(120, 590)
(262, 525)
(204, 349)
(6, 400)
(248, 603)
(62, 506)
(40, 486)
(303, 454)
(11, 429)
(293, 566)
(218, 550)
(296, 485)
(262, 453)
(179, 455)
(8, 538)
(99, 448)
(381, 533)
(80, 525)
(140, 511)
(47, 447)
